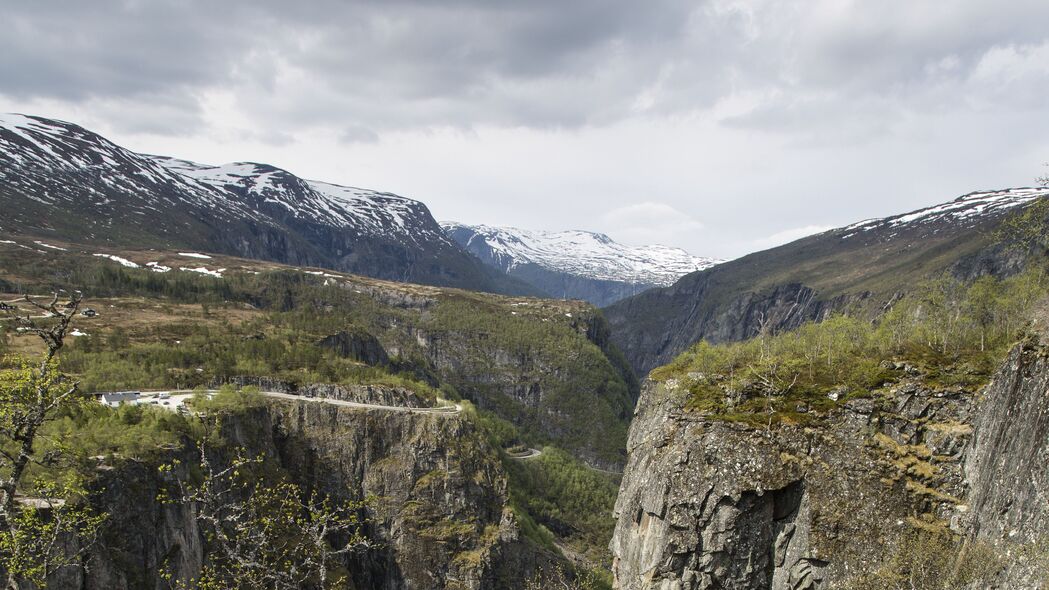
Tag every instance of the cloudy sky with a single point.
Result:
(721, 126)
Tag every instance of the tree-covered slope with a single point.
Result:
(546, 366)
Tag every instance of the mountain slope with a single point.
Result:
(61, 181)
(576, 264)
(785, 286)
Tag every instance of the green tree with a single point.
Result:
(38, 520)
(558, 578)
(266, 535)
(981, 306)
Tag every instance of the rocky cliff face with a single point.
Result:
(710, 504)
(549, 367)
(1007, 463)
(442, 519)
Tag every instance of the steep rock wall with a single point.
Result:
(654, 327)
(442, 522)
(708, 504)
(1007, 464)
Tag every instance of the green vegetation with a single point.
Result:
(927, 560)
(554, 495)
(568, 498)
(134, 431)
(227, 399)
(543, 365)
(567, 580)
(38, 514)
(185, 356)
(582, 395)
(951, 333)
(542, 371)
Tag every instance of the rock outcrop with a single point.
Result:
(707, 504)
(357, 345)
(712, 504)
(1007, 464)
(442, 519)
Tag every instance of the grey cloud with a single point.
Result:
(358, 134)
(409, 64)
(395, 64)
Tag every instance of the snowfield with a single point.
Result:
(586, 254)
(966, 209)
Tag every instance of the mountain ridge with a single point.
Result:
(60, 180)
(576, 263)
(865, 263)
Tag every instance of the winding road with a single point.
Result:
(529, 454)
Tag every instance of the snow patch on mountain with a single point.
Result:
(367, 211)
(35, 151)
(965, 210)
(582, 253)
(119, 260)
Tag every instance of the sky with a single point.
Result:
(719, 126)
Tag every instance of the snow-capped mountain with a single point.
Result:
(576, 264)
(59, 180)
(362, 210)
(965, 211)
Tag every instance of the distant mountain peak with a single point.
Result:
(577, 253)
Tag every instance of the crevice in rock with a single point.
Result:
(790, 565)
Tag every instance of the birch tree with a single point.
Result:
(44, 527)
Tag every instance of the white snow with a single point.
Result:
(204, 270)
(364, 210)
(39, 243)
(39, 147)
(77, 332)
(157, 267)
(194, 255)
(119, 260)
(967, 209)
(584, 253)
